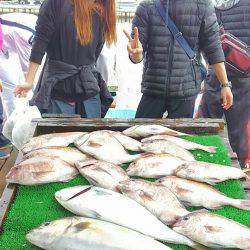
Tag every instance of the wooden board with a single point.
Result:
(63, 124)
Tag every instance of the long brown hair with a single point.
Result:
(83, 11)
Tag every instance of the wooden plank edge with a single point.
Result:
(6, 202)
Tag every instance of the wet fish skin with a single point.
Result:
(213, 230)
(103, 146)
(67, 154)
(188, 145)
(198, 194)
(41, 170)
(154, 165)
(166, 147)
(77, 233)
(102, 174)
(107, 205)
(142, 131)
(155, 197)
(208, 172)
(51, 140)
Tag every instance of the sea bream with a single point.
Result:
(41, 170)
(105, 147)
(102, 174)
(167, 147)
(127, 142)
(208, 172)
(107, 205)
(158, 199)
(214, 231)
(67, 154)
(196, 194)
(154, 165)
(142, 131)
(78, 233)
(188, 145)
(51, 140)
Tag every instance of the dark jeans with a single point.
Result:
(237, 117)
(153, 107)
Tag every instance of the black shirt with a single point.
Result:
(56, 35)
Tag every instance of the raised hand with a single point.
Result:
(134, 46)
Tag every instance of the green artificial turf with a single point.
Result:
(36, 205)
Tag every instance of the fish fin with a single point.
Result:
(213, 229)
(211, 150)
(93, 144)
(82, 226)
(213, 181)
(86, 163)
(241, 204)
(80, 193)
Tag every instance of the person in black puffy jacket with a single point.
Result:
(171, 81)
(234, 16)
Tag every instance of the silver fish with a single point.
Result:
(51, 140)
(102, 174)
(103, 146)
(198, 194)
(107, 205)
(67, 154)
(167, 147)
(41, 170)
(158, 199)
(78, 233)
(154, 166)
(142, 131)
(127, 142)
(214, 231)
(208, 172)
(188, 145)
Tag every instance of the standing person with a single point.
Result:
(171, 80)
(72, 33)
(17, 31)
(233, 15)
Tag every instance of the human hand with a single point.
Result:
(1, 86)
(22, 89)
(227, 97)
(134, 46)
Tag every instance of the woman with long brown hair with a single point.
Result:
(72, 33)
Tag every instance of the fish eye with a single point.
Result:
(185, 218)
(47, 223)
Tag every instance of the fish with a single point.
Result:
(127, 142)
(41, 170)
(213, 231)
(78, 233)
(67, 154)
(196, 194)
(102, 174)
(167, 147)
(142, 131)
(110, 206)
(104, 147)
(155, 197)
(209, 172)
(154, 165)
(51, 140)
(188, 145)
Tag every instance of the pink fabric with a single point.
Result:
(1, 36)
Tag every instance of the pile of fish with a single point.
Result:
(119, 212)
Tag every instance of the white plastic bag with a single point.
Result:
(21, 105)
(23, 129)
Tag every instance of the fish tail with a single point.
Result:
(211, 150)
(241, 204)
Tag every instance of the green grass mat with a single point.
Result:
(36, 205)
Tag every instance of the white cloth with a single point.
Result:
(14, 57)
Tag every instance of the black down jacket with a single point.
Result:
(168, 72)
(236, 21)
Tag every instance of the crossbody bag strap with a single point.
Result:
(178, 36)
